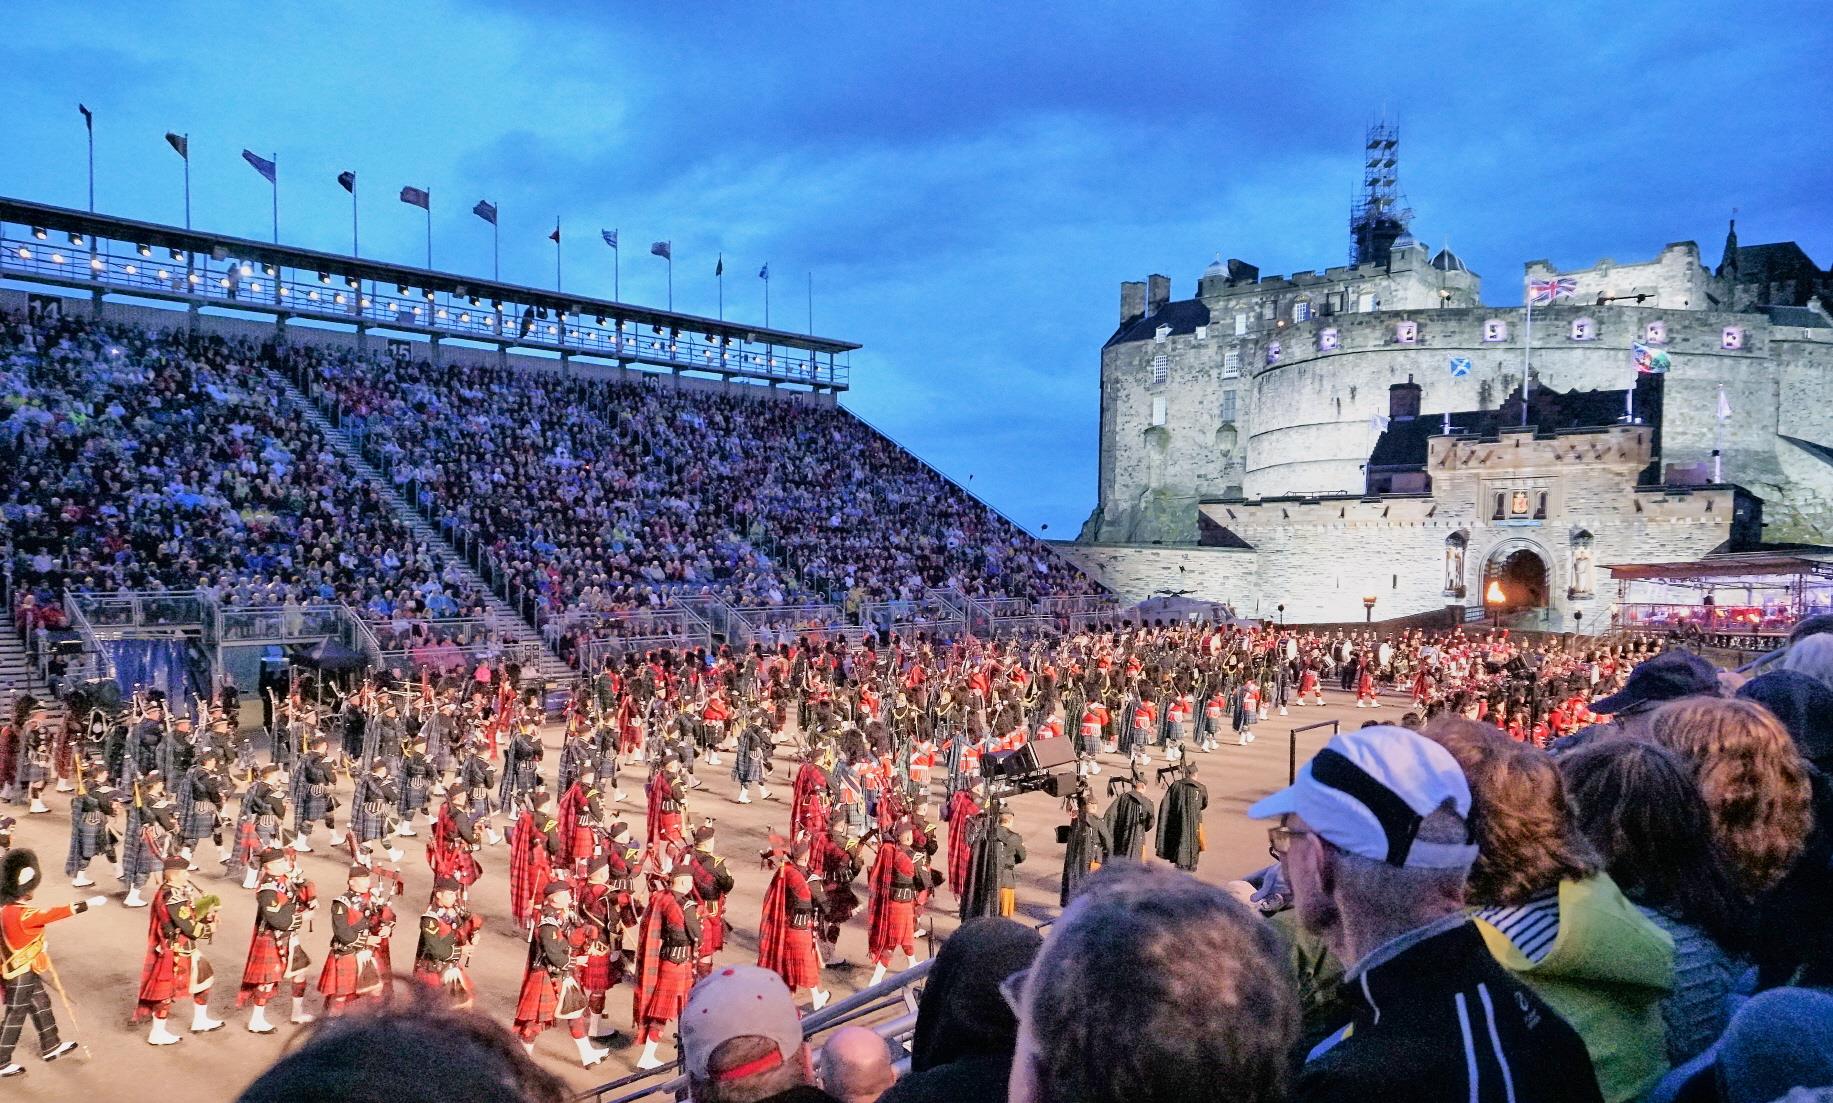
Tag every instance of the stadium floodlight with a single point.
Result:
(57, 258)
(194, 277)
(255, 287)
(400, 289)
(324, 277)
(248, 269)
(429, 294)
(285, 292)
(164, 274)
(95, 264)
(224, 282)
(38, 232)
(178, 254)
(351, 281)
(76, 239)
(473, 300)
(465, 318)
(146, 251)
(599, 318)
(312, 294)
(270, 269)
(364, 301)
(490, 323)
(440, 313)
(131, 270)
(339, 299)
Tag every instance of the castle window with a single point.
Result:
(1161, 368)
(1240, 323)
(1162, 333)
(1495, 329)
(1231, 364)
(1584, 329)
(1655, 333)
(1327, 339)
(1301, 311)
(1501, 509)
(1406, 333)
(1365, 302)
(1159, 410)
(1268, 309)
(1202, 333)
(1732, 338)
(1228, 406)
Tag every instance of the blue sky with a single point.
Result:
(969, 183)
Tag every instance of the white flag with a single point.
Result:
(1724, 407)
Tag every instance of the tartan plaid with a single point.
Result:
(667, 995)
(539, 999)
(784, 949)
(339, 976)
(265, 965)
(961, 811)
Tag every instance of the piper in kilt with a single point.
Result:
(521, 767)
(899, 880)
(452, 848)
(91, 810)
(597, 905)
(834, 859)
(384, 886)
(666, 951)
(577, 755)
(712, 884)
(312, 797)
(152, 828)
(667, 802)
(350, 971)
(579, 817)
(447, 933)
(532, 851)
(282, 904)
(751, 759)
(261, 825)
(414, 784)
(786, 934)
(372, 807)
(960, 813)
(200, 803)
(179, 921)
(550, 986)
(475, 774)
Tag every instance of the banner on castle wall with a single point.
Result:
(44, 310)
(1460, 366)
(1649, 361)
(400, 351)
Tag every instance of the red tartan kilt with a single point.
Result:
(668, 994)
(583, 843)
(799, 967)
(434, 977)
(169, 978)
(264, 964)
(339, 976)
(247, 842)
(539, 999)
(712, 934)
(599, 973)
(895, 928)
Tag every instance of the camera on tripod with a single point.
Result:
(1043, 764)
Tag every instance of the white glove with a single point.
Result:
(96, 901)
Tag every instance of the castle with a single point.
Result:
(1320, 439)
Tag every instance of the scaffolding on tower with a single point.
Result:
(1379, 214)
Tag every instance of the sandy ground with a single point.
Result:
(98, 955)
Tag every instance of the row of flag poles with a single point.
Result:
(268, 169)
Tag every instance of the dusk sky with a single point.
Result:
(968, 183)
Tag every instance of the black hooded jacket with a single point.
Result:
(965, 1033)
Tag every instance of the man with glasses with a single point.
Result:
(1374, 837)
(1153, 988)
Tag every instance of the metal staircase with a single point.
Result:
(515, 629)
(19, 678)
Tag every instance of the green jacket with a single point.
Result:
(1607, 973)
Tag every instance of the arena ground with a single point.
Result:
(98, 955)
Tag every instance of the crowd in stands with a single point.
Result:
(1638, 912)
(142, 460)
(604, 495)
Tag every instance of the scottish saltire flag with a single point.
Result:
(663, 249)
(485, 210)
(1649, 361)
(1542, 292)
(764, 272)
(1460, 366)
(417, 197)
(260, 164)
(179, 142)
(610, 237)
(348, 180)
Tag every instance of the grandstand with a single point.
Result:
(431, 470)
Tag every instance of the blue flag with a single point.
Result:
(260, 164)
(610, 237)
(1460, 366)
(764, 272)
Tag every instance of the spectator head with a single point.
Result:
(855, 1065)
(741, 1038)
(962, 1013)
(1374, 837)
(1753, 778)
(1804, 705)
(356, 1058)
(1813, 656)
(1527, 839)
(1207, 1003)
(1669, 676)
(1639, 807)
(1781, 1040)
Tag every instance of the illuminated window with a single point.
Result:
(1495, 329)
(1161, 368)
(1584, 329)
(1406, 333)
(1301, 311)
(1159, 410)
(1231, 364)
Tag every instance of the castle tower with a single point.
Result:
(1379, 215)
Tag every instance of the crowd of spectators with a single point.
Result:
(602, 496)
(151, 460)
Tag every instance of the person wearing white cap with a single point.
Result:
(1375, 838)
(741, 1039)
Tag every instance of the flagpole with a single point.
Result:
(496, 254)
(671, 276)
(1718, 439)
(187, 161)
(722, 287)
(1527, 344)
(354, 251)
(766, 298)
(429, 229)
(89, 125)
(616, 281)
(556, 253)
(275, 184)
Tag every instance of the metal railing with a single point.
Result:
(601, 636)
(764, 623)
(247, 624)
(928, 614)
(152, 614)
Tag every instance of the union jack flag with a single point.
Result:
(1542, 292)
